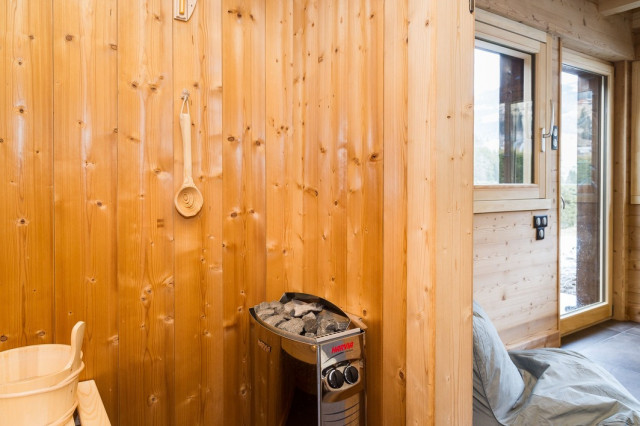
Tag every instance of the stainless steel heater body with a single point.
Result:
(297, 378)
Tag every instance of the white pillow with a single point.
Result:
(496, 378)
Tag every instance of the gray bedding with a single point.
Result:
(542, 386)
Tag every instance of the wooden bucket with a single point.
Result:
(40, 366)
(46, 406)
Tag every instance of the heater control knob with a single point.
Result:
(335, 379)
(351, 374)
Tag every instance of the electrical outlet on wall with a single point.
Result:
(539, 223)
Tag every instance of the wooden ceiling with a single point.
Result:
(626, 7)
(611, 7)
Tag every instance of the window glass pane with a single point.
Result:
(503, 123)
(582, 233)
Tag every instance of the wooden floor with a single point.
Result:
(615, 345)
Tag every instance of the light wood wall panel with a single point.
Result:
(306, 52)
(515, 276)
(145, 213)
(440, 214)
(621, 134)
(294, 107)
(394, 291)
(283, 155)
(26, 174)
(85, 150)
(244, 253)
(198, 240)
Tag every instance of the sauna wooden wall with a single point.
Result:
(333, 153)
(515, 276)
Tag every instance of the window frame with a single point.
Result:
(496, 30)
(601, 311)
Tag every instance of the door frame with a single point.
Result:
(602, 311)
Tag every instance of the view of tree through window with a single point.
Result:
(503, 123)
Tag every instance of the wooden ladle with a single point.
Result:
(188, 199)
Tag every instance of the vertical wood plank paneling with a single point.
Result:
(338, 201)
(213, 351)
(280, 152)
(26, 174)
(190, 283)
(244, 252)
(394, 291)
(356, 59)
(421, 350)
(440, 190)
(145, 213)
(309, 128)
(453, 139)
(366, 182)
(620, 190)
(633, 212)
(85, 150)
(198, 250)
(296, 262)
(329, 278)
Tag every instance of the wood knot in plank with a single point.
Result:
(151, 400)
(68, 37)
(236, 12)
(401, 374)
(3, 338)
(312, 191)
(40, 333)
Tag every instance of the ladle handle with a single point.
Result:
(185, 127)
(77, 337)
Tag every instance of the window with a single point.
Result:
(503, 125)
(511, 108)
(585, 195)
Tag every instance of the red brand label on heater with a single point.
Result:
(342, 347)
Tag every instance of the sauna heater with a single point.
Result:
(306, 372)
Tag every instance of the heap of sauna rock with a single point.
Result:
(302, 318)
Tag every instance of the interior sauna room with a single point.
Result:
(319, 212)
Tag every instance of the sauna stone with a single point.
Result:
(275, 320)
(302, 310)
(310, 324)
(265, 313)
(302, 318)
(294, 325)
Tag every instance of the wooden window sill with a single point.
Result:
(494, 206)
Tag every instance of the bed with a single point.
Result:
(542, 386)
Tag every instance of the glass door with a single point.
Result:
(584, 292)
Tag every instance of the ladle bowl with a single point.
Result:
(188, 200)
